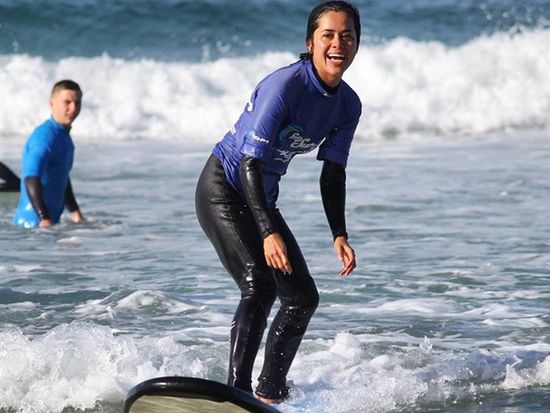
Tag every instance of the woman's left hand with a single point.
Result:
(346, 255)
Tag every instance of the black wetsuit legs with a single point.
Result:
(299, 299)
(230, 226)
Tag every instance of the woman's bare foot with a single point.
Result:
(269, 401)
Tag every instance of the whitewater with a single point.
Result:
(408, 88)
(447, 206)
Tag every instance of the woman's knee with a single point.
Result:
(265, 294)
(303, 295)
(302, 304)
(313, 301)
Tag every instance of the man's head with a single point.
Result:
(65, 102)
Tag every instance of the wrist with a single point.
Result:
(266, 232)
(339, 234)
(43, 215)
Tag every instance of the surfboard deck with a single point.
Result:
(191, 395)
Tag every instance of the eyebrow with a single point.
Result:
(332, 30)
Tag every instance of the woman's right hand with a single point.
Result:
(275, 253)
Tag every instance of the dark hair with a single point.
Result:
(336, 6)
(66, 85)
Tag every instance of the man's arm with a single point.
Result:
(71, 204)
(36, 196)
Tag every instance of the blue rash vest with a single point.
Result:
(48, 154)
(290, 113)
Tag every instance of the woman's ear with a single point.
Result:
(309, 46)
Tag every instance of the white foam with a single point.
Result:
(426, 306)
(73, 241)
(153, 299)
(135, 303)
(523, 322)
(20, 306)
(96, 310)
(20, 268)
(349, 380)
(496, 311)
(492, 83)
(80, 364)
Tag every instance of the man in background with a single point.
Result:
(47, 160)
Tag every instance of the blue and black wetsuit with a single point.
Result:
(45, 184)
(289, 113)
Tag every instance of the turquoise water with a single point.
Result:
(448, 193)
(191, 30)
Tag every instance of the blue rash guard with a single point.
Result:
(48, 155)
(290, 113)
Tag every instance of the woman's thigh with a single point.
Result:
(297, 289)
(228, 223)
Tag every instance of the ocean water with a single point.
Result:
(448, 193)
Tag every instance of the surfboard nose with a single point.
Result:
(191, 395)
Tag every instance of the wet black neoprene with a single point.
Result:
(251, 179)
(333, 193)
(36, 196)
(70, 200)
(227, 220)
(9, 181)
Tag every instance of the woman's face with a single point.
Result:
(333, 46)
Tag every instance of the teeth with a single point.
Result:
(336, 56)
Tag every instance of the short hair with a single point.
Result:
(66, 84)
(336, 6)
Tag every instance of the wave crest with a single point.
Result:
(408, 88)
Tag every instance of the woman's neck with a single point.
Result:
(330, 89)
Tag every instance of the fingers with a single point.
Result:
(275, 253)
(346, 255)
(349, 266)
(279, 262)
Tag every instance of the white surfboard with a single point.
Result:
(191, 395)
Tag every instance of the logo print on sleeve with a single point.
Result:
(255, 137)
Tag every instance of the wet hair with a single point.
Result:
(66, 85)
(328, 6)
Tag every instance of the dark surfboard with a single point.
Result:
(191, 395)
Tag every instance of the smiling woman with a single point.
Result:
(292, 111)
(332, 41)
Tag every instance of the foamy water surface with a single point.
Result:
(447, 200)
(448, 308)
